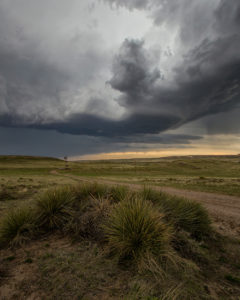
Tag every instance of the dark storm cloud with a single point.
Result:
(208, 80)
(157, 139)
(223, 123)
(18, 141)
(133, 73)
(205, 82)
(80, 124)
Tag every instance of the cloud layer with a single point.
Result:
(74, 73)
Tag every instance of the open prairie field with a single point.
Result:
(218, 174)
(166, 228)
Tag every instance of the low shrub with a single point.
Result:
(135, 227)
(17, 227)
(54, 208)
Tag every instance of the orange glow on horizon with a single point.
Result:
(152, 154)
(209, 145)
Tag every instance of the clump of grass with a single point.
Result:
(118, 193)
(135, 228)
(54, 208)
(86, 223)
(183, 213)
(17, 227)
(86, 190)
(6, 194)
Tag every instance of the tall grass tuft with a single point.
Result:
(6, 193)
(118, 193)
(17, 227)
(135, 227)
(84, 191)
(54, 208)
(87, 223)
(183, 213)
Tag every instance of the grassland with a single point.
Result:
(62, 240)
(209, 174)
(217, 174)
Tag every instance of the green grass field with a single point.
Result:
(60, 239)
(24, 177)
(210, 174)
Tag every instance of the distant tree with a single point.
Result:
(66, 161)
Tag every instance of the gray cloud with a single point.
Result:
(133, 72)
(228, 17)
(41, 142)
(65, 83)
(41, 72)
(207, 82)
(80, 124)
(225, 123)
(138, 4)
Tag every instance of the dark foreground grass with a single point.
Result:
(132, 245)
(17, 227)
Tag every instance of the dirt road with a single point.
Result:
(224, 209)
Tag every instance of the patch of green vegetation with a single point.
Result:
(217, 174)
(183, 213)
(233, 279)
(93, 265)
(53, 208)
(135, 228)
(128, 224)
(228, 186)
(10, 258)
(228, 167)
(17, 227)
(28, 260)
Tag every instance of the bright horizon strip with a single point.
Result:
(151, 154)
(209, 145)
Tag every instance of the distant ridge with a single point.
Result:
(227, 156)
(26, 157)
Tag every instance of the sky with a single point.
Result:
(96, 79)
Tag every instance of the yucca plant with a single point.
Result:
(17, 227)
(118, 193)
(86, 223)
(183, 213)
(86, 190)
(135, 227)
(188, 215)
(54, 208)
